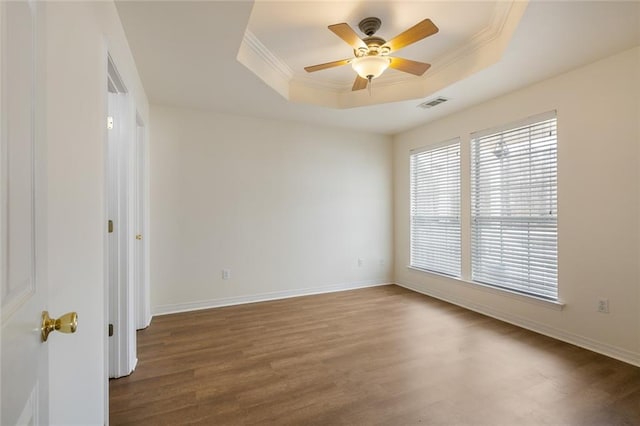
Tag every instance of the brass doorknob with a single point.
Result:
(68, 323)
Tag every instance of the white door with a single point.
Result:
(141, 283)
(120, 144)
(24, 357)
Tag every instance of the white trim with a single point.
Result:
(3, 180)
(263, 297)
(556, 305)
(484, 37)
(119, 203)
(263, 63)
(332, 85)
(114, 77)
(433, 146)
(276, 64)
(106, 289)
(620, 354)
(128, 291)
(532, 119)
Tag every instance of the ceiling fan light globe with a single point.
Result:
(370, 67)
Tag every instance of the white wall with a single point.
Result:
(78, 36)
(598, 202)
(288, 208)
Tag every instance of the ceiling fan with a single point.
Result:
(371, 54)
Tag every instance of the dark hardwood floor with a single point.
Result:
(377, 356)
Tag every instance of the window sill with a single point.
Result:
(550, 304)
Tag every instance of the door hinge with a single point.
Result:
(109, 122)
(110, 226)
(110, 330)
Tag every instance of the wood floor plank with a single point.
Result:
(377, 356)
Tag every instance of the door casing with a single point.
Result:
(121, 140)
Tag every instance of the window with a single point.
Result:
(435, 208)
(514, 207)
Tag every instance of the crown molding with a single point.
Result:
(482, 38)
(483, 49)
(262, 52)
(262, 62)
(330, 85)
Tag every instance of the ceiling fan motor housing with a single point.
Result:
(374, 45)
(370, 25)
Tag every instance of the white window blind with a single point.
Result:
(435, 209)
(514, 208)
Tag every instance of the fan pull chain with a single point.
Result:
(370, 83)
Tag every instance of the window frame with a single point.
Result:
(527, 244)
(465, 277)
(429, 262)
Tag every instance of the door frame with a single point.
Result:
(119, 144)
(2, 192)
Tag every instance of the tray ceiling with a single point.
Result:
(283, 37)
(186, 53)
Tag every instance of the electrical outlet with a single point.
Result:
(360, 262)
(603, 306)
(226, 274)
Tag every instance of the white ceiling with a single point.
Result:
(307, 41)
(277, 48)
(186, 51)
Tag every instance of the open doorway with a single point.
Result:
(125, 194)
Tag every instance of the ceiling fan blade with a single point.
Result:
(327, 65)
(345, 32)
(359, 84)
(407, 65)
(422, 29)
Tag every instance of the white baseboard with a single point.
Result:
(624, 355)
(263, 297)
